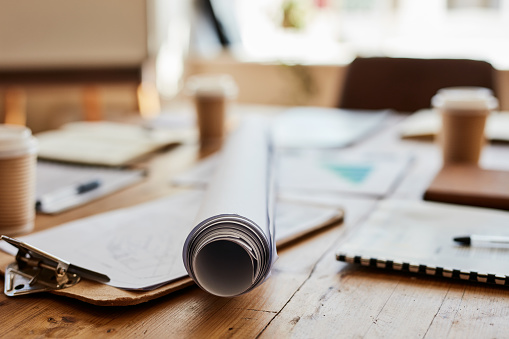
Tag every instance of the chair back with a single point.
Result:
(406, 84)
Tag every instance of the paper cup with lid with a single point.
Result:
(18, 152)
(463, 111)
(211, 94)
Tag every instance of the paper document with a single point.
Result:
(426, 123)
(322, 127)
(417, 236)
(137, 248)
(373, 174)
(57, 184)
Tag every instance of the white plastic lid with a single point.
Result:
(16, 141)
(465, 98)
(212, 85)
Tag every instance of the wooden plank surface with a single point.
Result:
(309, 294)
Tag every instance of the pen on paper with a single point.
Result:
(88, 186)
(68, 192)
(477, 238)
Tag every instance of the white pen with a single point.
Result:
(474, 238)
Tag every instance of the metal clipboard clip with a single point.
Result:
(38, 271)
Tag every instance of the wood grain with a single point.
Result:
(309, 295)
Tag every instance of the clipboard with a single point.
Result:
(97, 293)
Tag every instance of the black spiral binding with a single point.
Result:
(424, 269)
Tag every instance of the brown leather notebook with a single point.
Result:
(470, 185)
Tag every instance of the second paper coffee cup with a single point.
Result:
(211, 94)
(463, 111)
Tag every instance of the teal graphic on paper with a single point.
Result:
(353, 173)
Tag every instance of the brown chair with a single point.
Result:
(407, 85)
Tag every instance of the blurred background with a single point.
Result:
(66, 60)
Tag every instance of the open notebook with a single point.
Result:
(417, 236)
(106, 143)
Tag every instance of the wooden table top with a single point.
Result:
(309, 294)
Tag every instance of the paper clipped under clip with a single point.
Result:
(37, 271)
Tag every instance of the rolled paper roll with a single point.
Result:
(232, 248)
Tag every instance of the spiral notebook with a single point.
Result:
(417, 237)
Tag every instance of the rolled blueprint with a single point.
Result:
(232, 248)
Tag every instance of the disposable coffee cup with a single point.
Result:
(463, 111)
(18, 151)
(211, 94)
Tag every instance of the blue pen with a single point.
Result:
(67, 192)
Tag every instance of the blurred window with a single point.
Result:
(334, 31)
